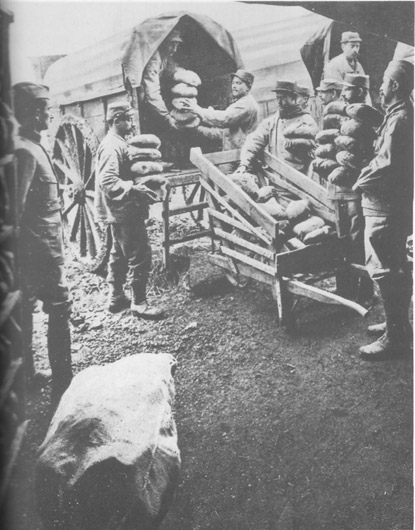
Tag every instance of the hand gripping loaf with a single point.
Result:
(146, 168)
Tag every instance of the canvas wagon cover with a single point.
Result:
(103, 69)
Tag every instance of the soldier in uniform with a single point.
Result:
(329, 90)
(271, 134)
(386, 185)
(240, 118)
(40, 245)
(124, 205)
(347, 62)
(355, 88)
(157, 72)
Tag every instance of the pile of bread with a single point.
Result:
(298, 225)
(299, 141)
(145, 158)
(185, 87)
(346, 142)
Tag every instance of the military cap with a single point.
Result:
(26, 93)
(174, 36)
(122, 108)
(285, 86)
(244, 76)
(329, 84)
(401, 71)
(356, 80)
(303, 91)
(350, 36)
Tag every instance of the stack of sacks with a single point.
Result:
(186, 83)
(297, 225)
(300, 140)
(145, 157)
(325, 155)
(354, 143)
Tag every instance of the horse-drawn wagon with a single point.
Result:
(84, 83)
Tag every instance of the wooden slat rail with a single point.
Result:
(289, 273)
(222, 201)
(286, 176)
(237, 195)
(219, 233)
(180, 178)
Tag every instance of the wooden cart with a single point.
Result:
(250, 243)
(84, 83)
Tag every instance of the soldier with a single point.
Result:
(347, 62)
(303, 96)
(240, 118)
(329, 90)
(356, 88)
(274, 133)
(40, 244)
(386, 185)
(157, 72)
(124, 205)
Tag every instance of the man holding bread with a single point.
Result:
(386, 185)
(160, 67)
(239, 119)
(289, 134)
(123, 202)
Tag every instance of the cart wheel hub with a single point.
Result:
(79, 195)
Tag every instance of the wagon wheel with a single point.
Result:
(193, 194)
(74, 151)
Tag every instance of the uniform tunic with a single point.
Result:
(156, 69)
(387, 193)
(240, 118)
(270, 136)
(40, 241)
(116, 204)
(339, 67)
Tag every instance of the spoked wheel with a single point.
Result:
(74, 151)
(194, 194)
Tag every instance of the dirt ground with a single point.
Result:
(277, 431)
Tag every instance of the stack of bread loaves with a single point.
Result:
(296, 220)
(325, 154)
(354, 143)
(145, 157)
(185, 87)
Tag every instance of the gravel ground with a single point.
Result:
(277, 431)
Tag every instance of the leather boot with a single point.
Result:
(59, 351)
(33, 377)
(394, 342)
(366, 291)
(141, 307)
(117, 299)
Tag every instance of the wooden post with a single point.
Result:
(166, 231)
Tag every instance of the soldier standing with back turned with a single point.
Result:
(386, 185)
